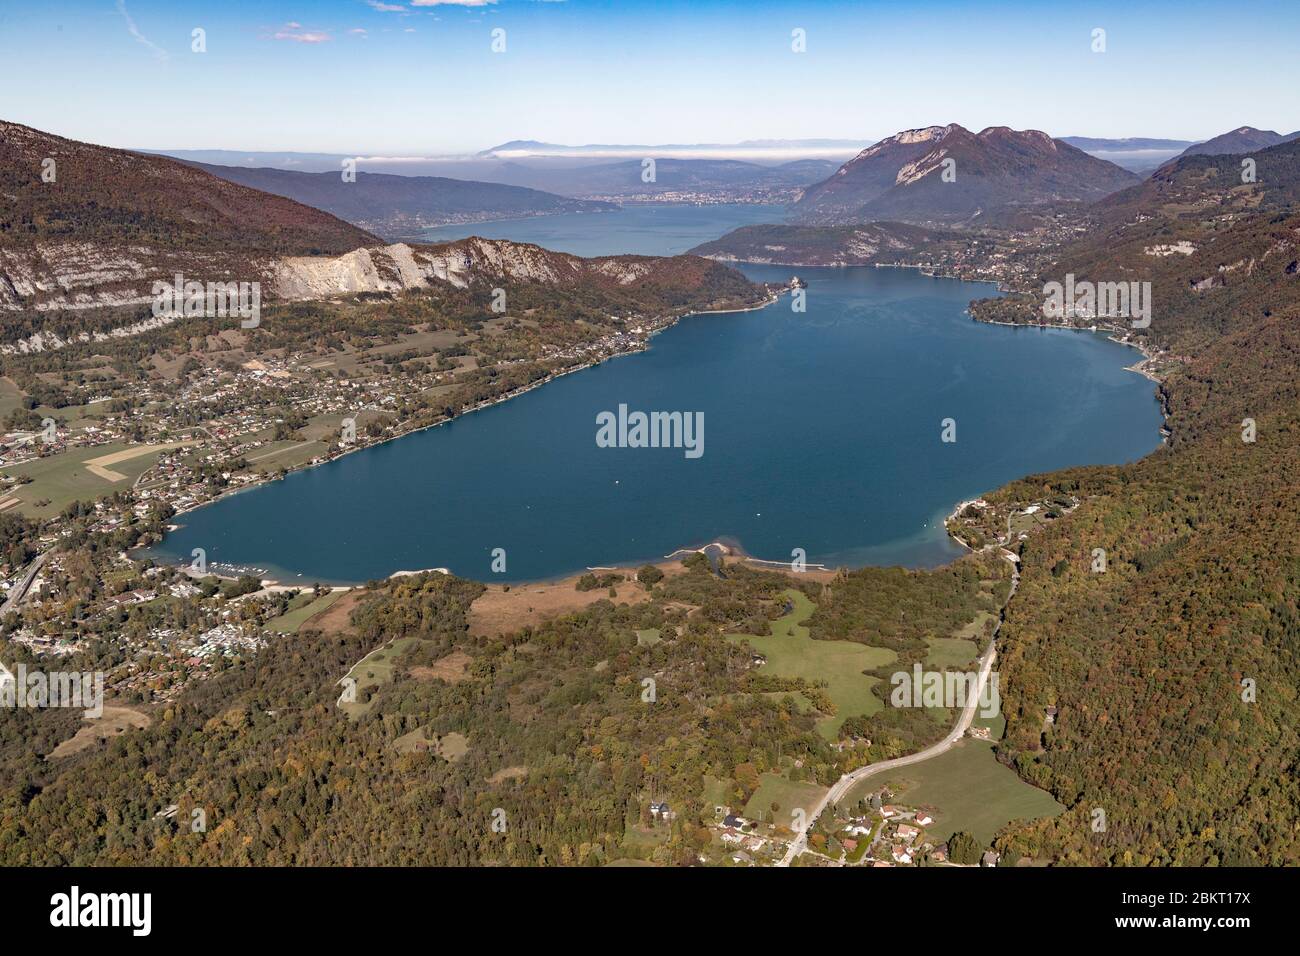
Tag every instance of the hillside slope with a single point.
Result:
(113, 222)
(1175, 671)
(903, 177)
(647, 281)
(111, 219)
(403, 205)
(1244, 139)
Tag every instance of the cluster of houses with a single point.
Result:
(743, 838)
(895, 835)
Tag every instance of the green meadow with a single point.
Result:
(64, 478)
(302, 609)
(372, 670)
(969, 790)
(790, 652)
(786, 794)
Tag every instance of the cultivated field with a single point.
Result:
(501, 611)
(80, 474)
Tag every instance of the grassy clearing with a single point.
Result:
(717, 791)
(10, 397)
(786, 794)
(950, 652)
(372, 670)
(970, 790)
(450, 747)
(639, 839)
(790, 652)
(648, 636)
(113, 721)
(976, 629)
(302, 608)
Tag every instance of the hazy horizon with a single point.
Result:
(420, 78)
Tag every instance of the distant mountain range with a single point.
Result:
(108, 218)
(1092, 144)
(576, 176)
(111, 222)
(717, 179)
(771, 151)
(1244, 139)
(401, 206)
(1137, 154)
(947, 174)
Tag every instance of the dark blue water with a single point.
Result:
(822, 432)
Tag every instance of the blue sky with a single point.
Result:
(357, 77)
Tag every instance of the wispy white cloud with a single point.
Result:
(452, 3)
(385, 7)
(131, 28)
(294, 34)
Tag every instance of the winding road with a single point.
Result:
(847, 782)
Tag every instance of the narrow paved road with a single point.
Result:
(847, 782)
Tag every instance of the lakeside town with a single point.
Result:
(93, 482)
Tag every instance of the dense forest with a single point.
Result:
(560, 741)
(1175, 671)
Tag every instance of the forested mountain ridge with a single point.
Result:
(1241, 140)
(649, 282)
(403, 205)
(62, 190)
(950, 174)
(109, 223)
(1189, 189)
(827, 245)
(1174, 670)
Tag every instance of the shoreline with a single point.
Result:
(173, 525)
(853, 265)
(1111, 334)
(727, 550)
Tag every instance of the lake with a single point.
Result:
(648, 229)
(821, 431)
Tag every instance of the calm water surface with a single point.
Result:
(822, 432)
